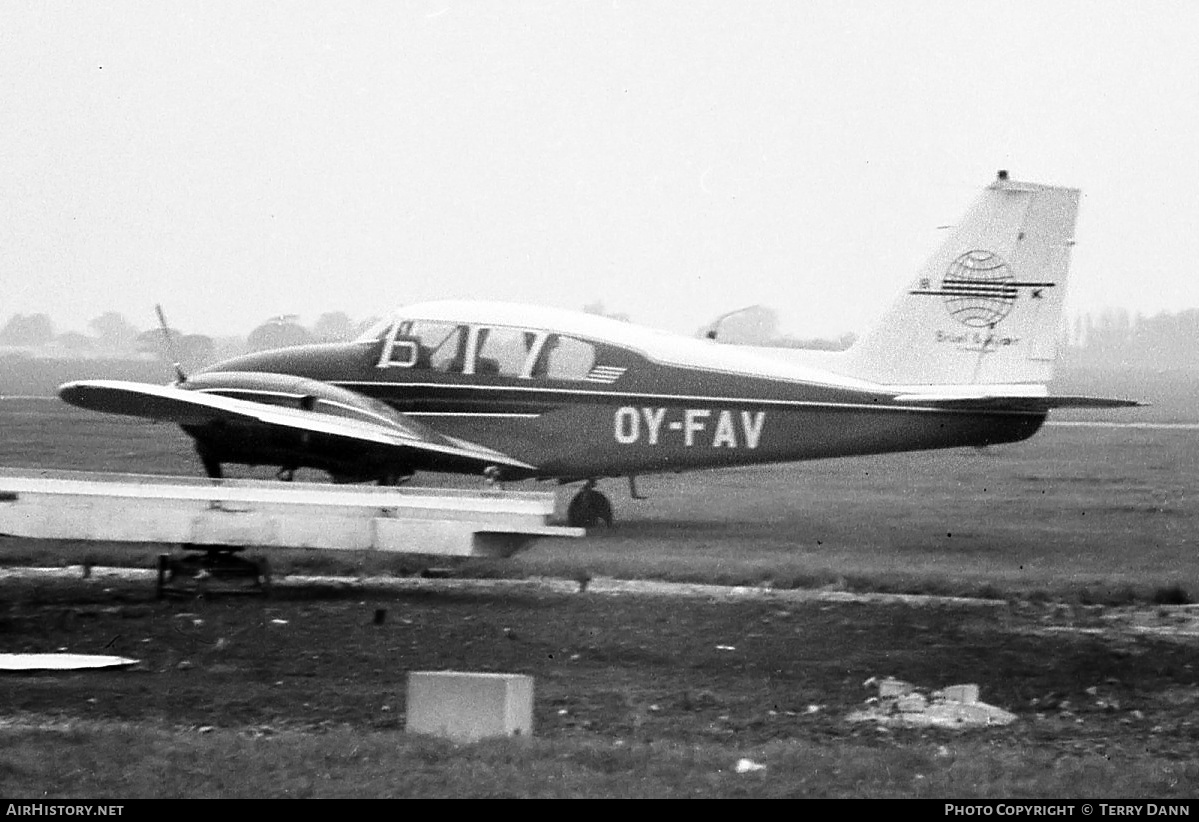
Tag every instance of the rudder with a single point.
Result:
(985, 309)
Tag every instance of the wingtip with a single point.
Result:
(69, 392)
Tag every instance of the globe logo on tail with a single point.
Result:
(978, 289)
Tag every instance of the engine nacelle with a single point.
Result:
(246, 444)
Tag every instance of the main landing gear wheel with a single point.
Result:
(589, 508)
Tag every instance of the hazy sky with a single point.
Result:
(235, 160)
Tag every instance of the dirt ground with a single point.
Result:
(675, 664)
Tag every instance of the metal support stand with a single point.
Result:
(218, 570)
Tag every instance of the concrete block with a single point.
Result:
(966, 694)
(892, 687)
(466, 707)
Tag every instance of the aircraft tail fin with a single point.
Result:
(986, 308)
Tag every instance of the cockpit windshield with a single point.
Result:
(375, 332)
(489, 351)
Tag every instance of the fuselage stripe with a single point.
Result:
(470, 414)
(624, 396)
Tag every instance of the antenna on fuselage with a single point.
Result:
(169, 342)
(714, 329)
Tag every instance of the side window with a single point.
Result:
(442, 346)
(503, 351)
(565, 358)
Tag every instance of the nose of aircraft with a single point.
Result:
(71, 392)
(85, 394)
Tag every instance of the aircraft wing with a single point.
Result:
(983, 401)
(167, 403)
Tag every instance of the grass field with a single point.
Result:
(642, 696)
(635, 696)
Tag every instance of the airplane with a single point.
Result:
(512, 392)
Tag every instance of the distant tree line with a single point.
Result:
(113, 336)
(1115, 337)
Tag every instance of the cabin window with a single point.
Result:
(442, 346)
(564, 358)
(503, 351)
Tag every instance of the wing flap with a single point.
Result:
(167, 403)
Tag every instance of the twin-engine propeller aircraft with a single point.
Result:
(516, 392)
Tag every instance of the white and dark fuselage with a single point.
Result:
(627, 401)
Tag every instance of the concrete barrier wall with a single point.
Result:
(256, 513)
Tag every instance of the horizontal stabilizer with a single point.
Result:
(1092, 402)
(982, 401)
